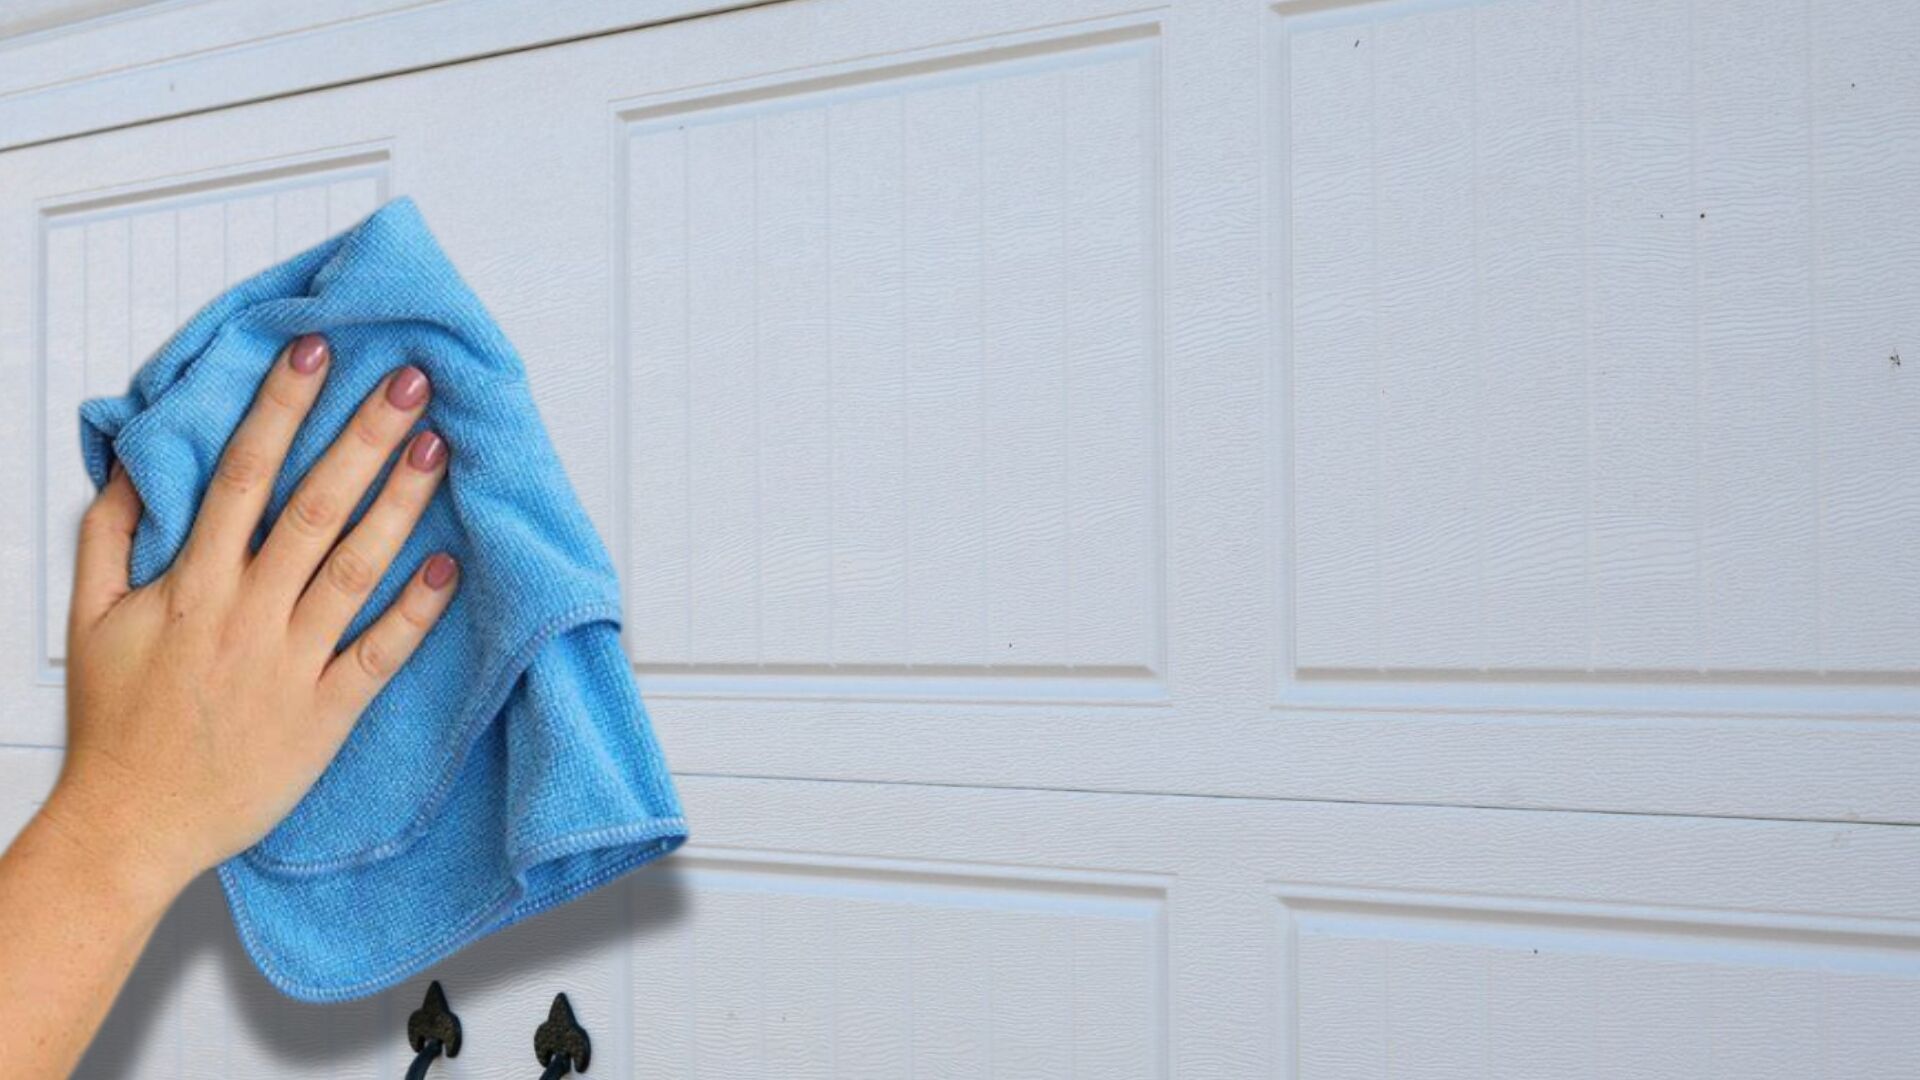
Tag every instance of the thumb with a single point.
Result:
(106, 542)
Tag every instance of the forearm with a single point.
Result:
(78, 901)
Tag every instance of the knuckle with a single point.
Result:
(280, 394)
(241, 469)
(368, 432)
(350, 572)
(373, 657)
(98, 520)
(313, 513)
(412, 614)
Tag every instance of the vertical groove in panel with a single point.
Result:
(1109, 424)
(1815, 352)
(153, 266)
(866, 219)
(1583, 120)
(1698, 309)
(659, 536)
(1025, 446)
(833, 438)
(350, 200)
(119, 280)
(1334, 358)
(720, 375)
(793, 447)
(299, 219)
(1758, 467)
(126, 290)
(1662, 264)
(759, 436)
(64, 382)
(942, 382)
(1867, 271)
(901, 352)
(1069, 640)
(107, 305)
(985, 361)
(1530, 338)
(1640, 316)
(686, 381)
(1477, 347)
(1370, 44)
(911, 509)
(1425, 300)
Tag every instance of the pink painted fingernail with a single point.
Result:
(427, 452)
(408, 388)
(439, 571)
(307, 354)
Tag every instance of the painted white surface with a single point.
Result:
(76, 66)
(1317, 405)
(31, 16)
(843, 929)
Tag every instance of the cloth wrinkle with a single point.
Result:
(511, 764)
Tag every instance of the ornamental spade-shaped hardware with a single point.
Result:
(433, 1029)
(561, 1044)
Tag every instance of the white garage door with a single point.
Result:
(1217, 540)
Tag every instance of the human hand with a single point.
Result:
(203, 705)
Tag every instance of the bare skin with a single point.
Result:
(203, 705)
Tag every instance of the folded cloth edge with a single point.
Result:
(485, 710)
(253, 876)
(656, 837)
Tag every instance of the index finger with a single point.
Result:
(237, 495)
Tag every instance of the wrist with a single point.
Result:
(105, 845)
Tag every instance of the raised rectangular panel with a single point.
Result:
(120, 272)
(762, 964)
(891, 360)
(1589, 344)
(1380, 984)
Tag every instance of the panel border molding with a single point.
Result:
(172, 59)
(258, 177)
(1660, 933)
(1867, 695)
(1073, 43)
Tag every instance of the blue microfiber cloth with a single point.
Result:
(510, 765)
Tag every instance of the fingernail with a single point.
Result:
(408, 388)
(427, 452)
(307, 354)
(439, 571)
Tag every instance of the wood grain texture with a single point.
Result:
(891, 357)
(1405, 987)
(787, 965)
(175, 59)
(837, 929)
(1217, 217)
(1564, 391)
(122, 274)
(1332, 403)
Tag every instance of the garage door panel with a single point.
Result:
(1446, 986)
(827, 966)
(1432, 942)
(117, 274)
(834, 929)
(892, 375)
(1482, 521)
(1561, 479)
(1566, 390)
(937, 424)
